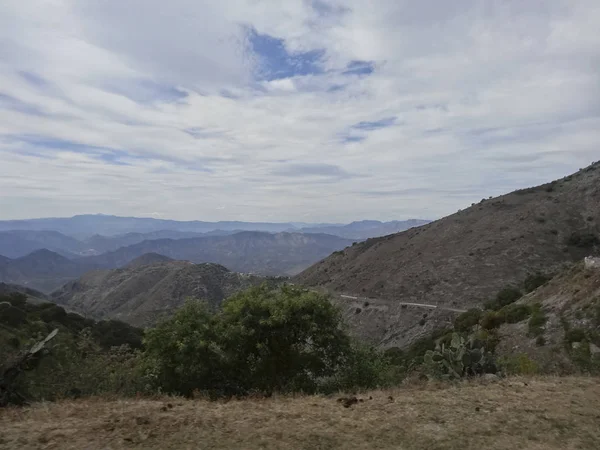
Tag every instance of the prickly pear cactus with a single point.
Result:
(457, 360)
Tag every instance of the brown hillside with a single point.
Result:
(141, 294)
(464, 259)
(570, 301)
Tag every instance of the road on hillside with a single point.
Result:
(418, 305)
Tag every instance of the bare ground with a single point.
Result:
(541, 413)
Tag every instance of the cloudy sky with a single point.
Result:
(293, 110)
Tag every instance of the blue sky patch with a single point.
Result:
(326, 9)
(14, 104)
(33, 79)
(275, 62)
(146, 91)
(352, 139)
(377, 124)
(202, 133)
(109, 155)
(359, 68)
(336, 88)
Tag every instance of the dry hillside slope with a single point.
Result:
(141, 294)
(569, 334)
(464, 259)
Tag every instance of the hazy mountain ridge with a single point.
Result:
(43, 270)
(91, 224)
(464, 259)
(143, 293)
(17, 243)
(32, 294)
(366, 228)
(248, 251)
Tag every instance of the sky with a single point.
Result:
(299, 110)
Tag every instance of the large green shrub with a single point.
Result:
(263, 340)
(364, 368)
(465, 321)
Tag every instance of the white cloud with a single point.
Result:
(161, 99)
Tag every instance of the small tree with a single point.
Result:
(183, 353)
(283, 339)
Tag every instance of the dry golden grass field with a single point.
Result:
(517, 413)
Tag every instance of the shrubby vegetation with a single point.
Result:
(584, 240)
(505, 297)
(263, 340)
(80, 362)
(459, 359)
(534, 281)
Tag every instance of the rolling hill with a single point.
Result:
(464, 259)
(141, 293)
(42, 270)
(18, 243)
(32, 295)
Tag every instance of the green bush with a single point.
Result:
(536, 321)
(11, 316)
(16, 299)
(467, 320)
(78, 366)
(363, 368)
(533, 281)
(487, 339)
(491, 320)
(519, 364)
(52, 313)
(112, 333)
(505, 297)
(415, 352)
(583, 240)
(515, 313)
(574, 335)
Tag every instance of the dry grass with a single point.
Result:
(542, 413)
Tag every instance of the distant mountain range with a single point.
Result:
(249, 252)
(141, 293)
(43, 270)
(84, 227)
(46, 253)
